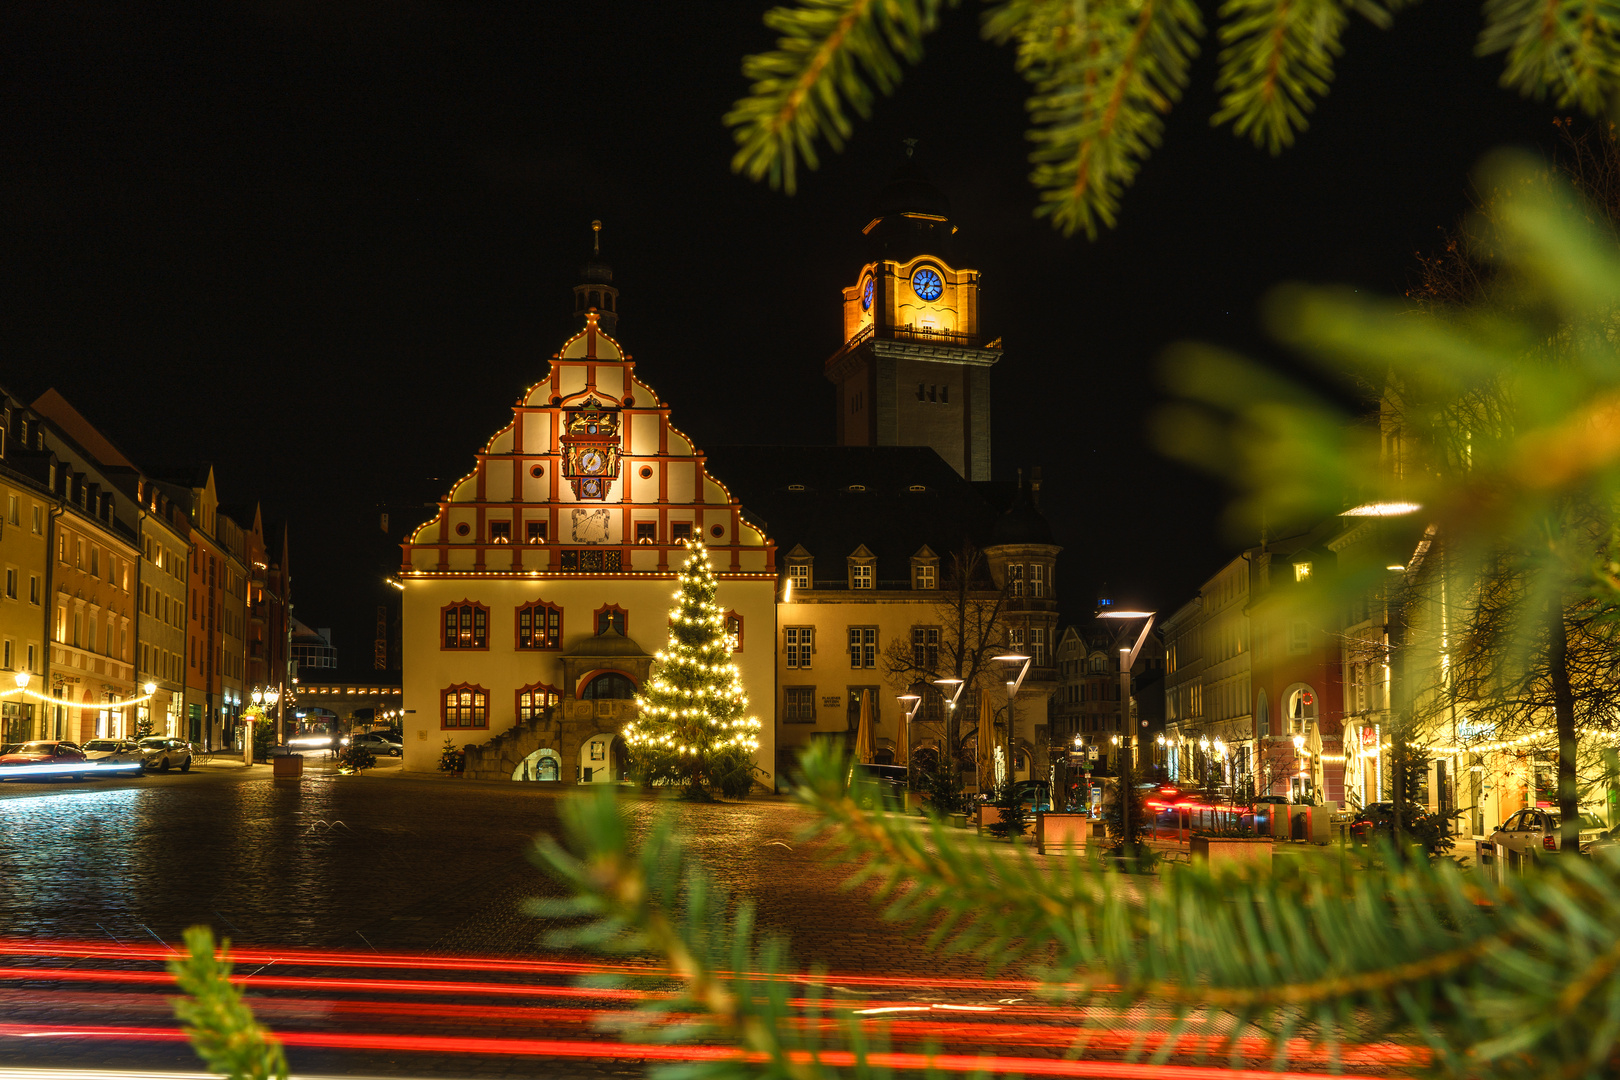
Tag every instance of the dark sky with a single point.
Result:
(325, 244)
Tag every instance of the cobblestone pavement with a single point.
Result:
(384, 862)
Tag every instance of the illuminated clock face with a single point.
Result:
(592, 461)
(866, 296)
(926, 284)
(590, 489)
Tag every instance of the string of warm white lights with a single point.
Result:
(28, 692)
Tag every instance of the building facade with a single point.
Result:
(535, 598)
(25, 500)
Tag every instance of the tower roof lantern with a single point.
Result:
(595, 292)
(910, 216)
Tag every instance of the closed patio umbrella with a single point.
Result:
(987, 743)
(865, 736)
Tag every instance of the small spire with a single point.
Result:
(911, 146)
(596, 238)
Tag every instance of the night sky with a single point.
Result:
(325, 245)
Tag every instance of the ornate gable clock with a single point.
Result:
(590, 449)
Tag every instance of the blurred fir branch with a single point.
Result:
(1103, 74)
(221, 1027)
(1522, 981)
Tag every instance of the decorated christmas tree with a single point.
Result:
(694, 728)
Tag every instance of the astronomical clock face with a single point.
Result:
(926, 284)
(866, 296)
(590, 449)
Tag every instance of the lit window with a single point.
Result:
(1037, 580)
(925, 648)
(860, 575)
(500, 532)
(539, 626)
(1015, 579)
(534, 700)
(1302, 570)
(799, 574)
(646, 532)
(734, 626)
(466, 626)
(535, 532)
(925, 576)
(465, 706)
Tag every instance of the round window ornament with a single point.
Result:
(629, 402)
(462, 529)
(926, 284)
(717, 531)
(645, 472)
(537, 471)
(866, 296)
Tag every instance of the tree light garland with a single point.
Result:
(692, 726)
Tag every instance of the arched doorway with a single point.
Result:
(544, 765)
(601, 759)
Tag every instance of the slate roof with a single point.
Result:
(804, 496)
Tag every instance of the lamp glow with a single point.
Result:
(1382, 509)
(21, 679)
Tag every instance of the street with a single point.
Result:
(375, 864)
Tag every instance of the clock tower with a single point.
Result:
(914, 369)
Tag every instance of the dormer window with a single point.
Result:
(862, 569)
(925, 569)
(799, 575)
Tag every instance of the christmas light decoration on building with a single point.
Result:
(693, 726)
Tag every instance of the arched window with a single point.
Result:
(533, 700)
(612, 617)
(539, 626)
(608, 686)
(464, 706)
(1301, 704)
(596, 299)
(466, 626)
(607, 301)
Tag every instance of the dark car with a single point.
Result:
(890, 779)
(1376, 820)
(43, 758)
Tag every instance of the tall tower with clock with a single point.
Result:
(914, 369)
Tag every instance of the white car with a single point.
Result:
(111, 752)
(163, 753)
(1531, 835)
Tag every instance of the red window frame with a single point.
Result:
(471, 628)
(458, 715)
(610, 609)
(548, 617)
(730, 617)
(540, 696)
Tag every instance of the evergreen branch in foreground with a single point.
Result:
(221, 1027)
(1277, 58)
(831, 57)
(1104, 74)
(1567, 48)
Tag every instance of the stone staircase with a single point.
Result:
(498, 758)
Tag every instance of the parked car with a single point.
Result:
(43, 757)
(890, 779)
(1533, 834)
(1036, 793)
(163, 753)
(110, 753)
(376, 743)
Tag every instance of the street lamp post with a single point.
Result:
(1013, 686)
(910, 703)
(952, 727)
(1127, 660)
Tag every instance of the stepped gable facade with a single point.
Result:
(539, 592)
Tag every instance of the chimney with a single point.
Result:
(1035, 487)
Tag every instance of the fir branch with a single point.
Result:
(1104, 75)
(831, 56)
(1569, 48)
(221, 1027)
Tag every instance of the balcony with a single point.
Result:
(915, 334)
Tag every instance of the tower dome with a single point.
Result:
(910, 215)
(595, 292)
(1023, 523)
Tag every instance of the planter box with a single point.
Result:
(987, 815)
(288, 765)
(1059, 832)
(916, 802)
(959, 820)
(1232, 850)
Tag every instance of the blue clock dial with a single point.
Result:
(926, 284)
(866, 296)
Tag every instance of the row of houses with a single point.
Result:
(132, 602)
